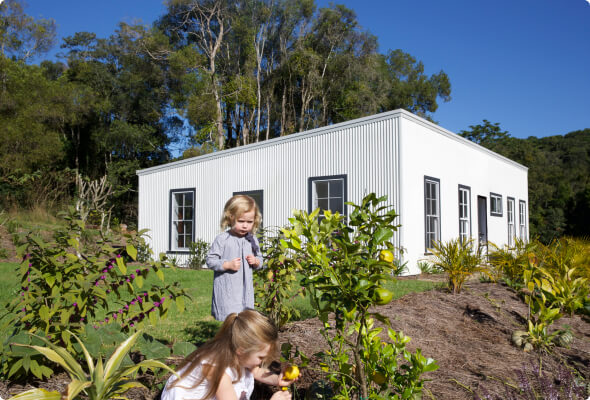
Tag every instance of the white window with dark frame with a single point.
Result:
(182, 219)
(431, 211)
(464, 213)
(522, 220)
(327, 193)
(510, 218)
(258, 196)
(495, 204)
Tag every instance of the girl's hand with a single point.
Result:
(285, 382)
(281, 395)
(253, 261)
(233, 265)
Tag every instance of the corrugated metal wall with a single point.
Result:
(364, 150)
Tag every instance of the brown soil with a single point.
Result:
(469, 335)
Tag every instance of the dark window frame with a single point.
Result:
(171, 248)
(468, 189)
(310, 186)
(495, 213)
(438, 204)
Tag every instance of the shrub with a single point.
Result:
(68, 282)
(459, 260)
(197, 254)
(510, 262)
(277, 283)
(345, 265)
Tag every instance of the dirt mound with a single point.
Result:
(467, 334)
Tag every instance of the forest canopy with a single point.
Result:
(215, 74)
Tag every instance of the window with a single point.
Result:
(182, 219)
(327, 193)
(495, 205)
(431, 211)
(258, 196)
(510, 217)
(522, 219)
(464, 213)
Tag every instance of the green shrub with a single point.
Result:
(510, 262)
(345, 265)
(67, 283)
(198, 254)
(459, 260)
(277, 283)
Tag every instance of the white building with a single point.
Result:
(442, 185)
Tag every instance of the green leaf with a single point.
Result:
(180, 303)
(131, 251)
(37, 394)
(183, 349)
(121, 265)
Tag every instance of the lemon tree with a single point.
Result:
(345, 264)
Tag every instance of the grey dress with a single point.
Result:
(233, 291)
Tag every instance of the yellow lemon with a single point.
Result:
(386, 255)
(291, 372)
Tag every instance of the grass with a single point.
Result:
(196, 324)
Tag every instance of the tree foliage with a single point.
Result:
(559, 177)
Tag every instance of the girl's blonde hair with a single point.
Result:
(248, 331)
(238, 205)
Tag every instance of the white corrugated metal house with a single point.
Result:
(442, 185)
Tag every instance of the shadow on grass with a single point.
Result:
(202, 331)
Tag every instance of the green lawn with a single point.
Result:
(195, 324)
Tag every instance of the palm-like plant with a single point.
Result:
(101, 382)
(459, 259)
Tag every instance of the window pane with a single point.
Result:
(188, 213)
(324, 204)
(188, 228)
(321, 189)
(336, 188)
(188, 199)
(178, 197)
(336, 205)
(179, 227)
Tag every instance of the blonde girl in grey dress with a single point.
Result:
(233, 255)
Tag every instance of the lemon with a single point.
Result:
(382, 296)
(386, 255)
(291, 372)
(378, 378)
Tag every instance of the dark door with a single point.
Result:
(482, 221)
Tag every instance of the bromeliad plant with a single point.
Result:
(459, 259)
(100, 381)
(275, 285)
(69, 282)
(345, 265)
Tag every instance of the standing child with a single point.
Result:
(233, 255)
(225, 367)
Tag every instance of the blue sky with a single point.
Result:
(522, 63)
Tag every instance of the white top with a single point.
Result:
(184, 391)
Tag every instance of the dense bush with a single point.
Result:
(72, 281)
